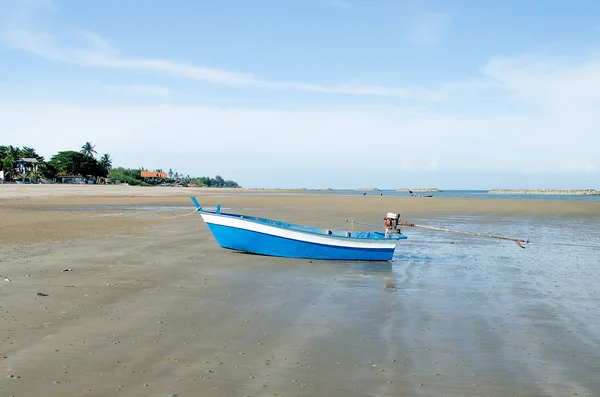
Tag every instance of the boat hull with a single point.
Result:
(247, 236)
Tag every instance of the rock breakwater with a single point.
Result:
(561, 192)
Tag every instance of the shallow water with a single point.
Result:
(167, 311)
(468, 316)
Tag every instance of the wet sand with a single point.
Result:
(151, 306)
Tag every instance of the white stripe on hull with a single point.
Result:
(297, 235)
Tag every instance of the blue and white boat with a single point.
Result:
(276, 238)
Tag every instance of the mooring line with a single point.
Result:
(402, 223)
(180, 216)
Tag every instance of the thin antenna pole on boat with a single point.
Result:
(402, 223)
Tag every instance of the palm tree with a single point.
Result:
(8, 166)
(3, 154)
(28, 152)
(106, 163)
(10, 155)
(88, 149)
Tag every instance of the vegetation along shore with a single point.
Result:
(24, 165)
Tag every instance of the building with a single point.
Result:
(153, 174)
(26, 163)
(23, 165)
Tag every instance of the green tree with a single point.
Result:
(88, 149)
(8, 166)
(4, 150)
(106, 164)
(76, 163)
(126, 175)
(8, 160)
(230, 183)
(47, 170)
(27, 152)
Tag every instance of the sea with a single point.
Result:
(485, 194)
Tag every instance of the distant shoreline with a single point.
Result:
(561, 192)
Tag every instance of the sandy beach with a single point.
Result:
(98, 297)
(27, 216)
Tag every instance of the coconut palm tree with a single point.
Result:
(3, 154)
(88, 149)
(8, 166)
(28, 152)
(3, 150)
(9, 157)
(106, 163)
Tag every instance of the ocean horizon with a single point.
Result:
(471, 193)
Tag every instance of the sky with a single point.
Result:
(312, 93)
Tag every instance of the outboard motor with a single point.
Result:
(391, 222)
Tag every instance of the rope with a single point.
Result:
(180, 216)
(518, 241)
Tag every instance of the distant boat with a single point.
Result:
(276, 238)
(419, 195)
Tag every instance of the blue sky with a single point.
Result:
(312, 93)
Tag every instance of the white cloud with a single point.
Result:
(406, 164)
(429, 30)
(571, 167)
(99, 53)
(533, 171)
(579, 167)
(342, 139)
(22, 12)
(41, 44)
(547, 82)
(434, 164)
(140, 89)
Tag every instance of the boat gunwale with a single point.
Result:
(295, 227)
